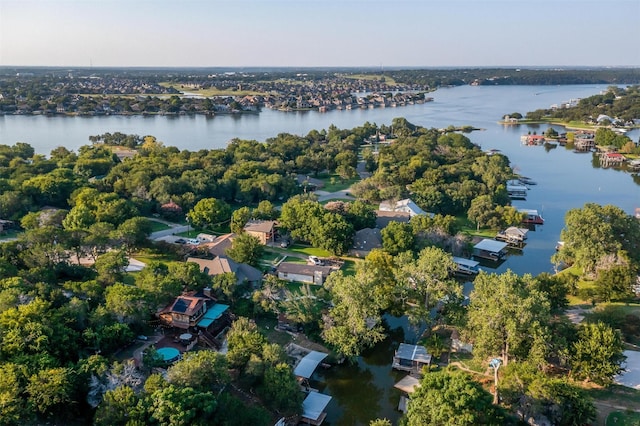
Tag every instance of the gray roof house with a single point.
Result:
(313, 274)
(366, 240)
(221, 265)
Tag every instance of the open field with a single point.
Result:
(372, 77)
(210, 92)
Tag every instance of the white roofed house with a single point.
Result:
(407, 206)
(313, 274)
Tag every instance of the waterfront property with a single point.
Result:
(512, 235)
(407, 385)
(308, 364)
(411, 358)
(313, 408)
(532, 217)
(466, 266)
(490, 249)
(515, 190)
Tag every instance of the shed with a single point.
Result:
(309, 363)
(313, 408)
(490, 249)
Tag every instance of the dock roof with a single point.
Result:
(414, 353)
(314, 405)
(466, 262)
(309, 363)
(490, 245)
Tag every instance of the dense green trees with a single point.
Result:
(597, 353)
(603, 241)
(508, 318)
(452, 398)
(247, 249)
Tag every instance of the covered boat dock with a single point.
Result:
(313, 408)
(466, 266)
(490, 249)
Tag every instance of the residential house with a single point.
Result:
(313, 274)
(365, 240)
(219, 246)
(406, 206)
(383, 218)
(263, 230)
(221, 265)
(185, 311)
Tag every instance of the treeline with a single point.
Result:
(515, 76)
(620, 104)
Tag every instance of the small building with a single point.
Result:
(517, 191)
(490, 249)
(612, 159)
(383, 218)
(512, 235)
(466, 266)
(313, 274)
(407, 206)
(313, 408)
(411, 358)
(532, 217)
(263, 230)
(366, 240)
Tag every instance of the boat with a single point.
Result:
(532, 217)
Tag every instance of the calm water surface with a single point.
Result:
(565, 180)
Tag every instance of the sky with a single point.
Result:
(313, 33)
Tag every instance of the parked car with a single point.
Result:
(284, 243)
(316, 260)
(180, 241)
(193, 241)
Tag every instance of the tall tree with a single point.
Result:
(452, 398)
(597, 354)
(507, 317)
(209, 212)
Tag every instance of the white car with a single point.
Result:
(193, 241)
(316, 260)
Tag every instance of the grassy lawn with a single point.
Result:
(349, 267)
(267, 326)
(158, 226)
(309, 251)
(372, 77)
(146, 256)
(9, 234)
(335, 183)
(618, 418)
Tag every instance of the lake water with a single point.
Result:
(565, 180)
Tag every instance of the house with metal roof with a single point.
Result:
(313, 274)
(490, 249)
